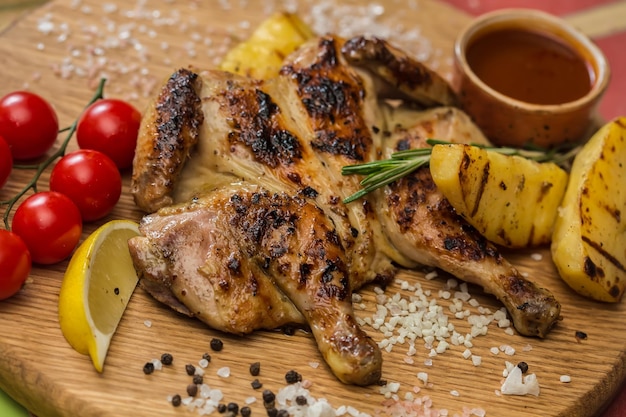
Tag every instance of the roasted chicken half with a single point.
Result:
(242, 179)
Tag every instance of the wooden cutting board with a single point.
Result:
(61, 50)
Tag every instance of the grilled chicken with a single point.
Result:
(242, 258)
(423, 225)
(227, 148)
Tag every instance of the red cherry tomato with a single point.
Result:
(50, 225)
(28, 123)
(6, 161)
(90, 179)
(111, 127)
(15, 263)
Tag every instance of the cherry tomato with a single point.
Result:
(15, 263)
(28, 123)
(90, 179)
(111, 127)
(50, 224)
(6, 161)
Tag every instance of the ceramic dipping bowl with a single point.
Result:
(528, 78)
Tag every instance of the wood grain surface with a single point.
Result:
(62, 49)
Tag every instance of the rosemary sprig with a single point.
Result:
(401, 163)
(42, 166)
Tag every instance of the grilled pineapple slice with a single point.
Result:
(589, 241)
(262, 55)
(511, 200)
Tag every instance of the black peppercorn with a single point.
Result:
(256, 384)
(282, 413)
(206, 356)
(255, 368)
(523, 366)
(580, 335)
(167, 359)
(232, 408)
(292, 377)
(148, 368)
(268, 397)
(272, 412)
(301, 400)
(216, 344)
(221, 408)
(246, 411)
(190, 369)
(176, 400)
(192, 390)
(198, 379)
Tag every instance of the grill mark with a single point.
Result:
(254, 118)
(177, 109)
(332, 97)
(610, 258)
(483, 182)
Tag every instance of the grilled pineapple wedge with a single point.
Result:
(262, 55)
(511, 200)
(589, 241)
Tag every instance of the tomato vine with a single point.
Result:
(42, 166)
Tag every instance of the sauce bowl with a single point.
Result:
(528, 78)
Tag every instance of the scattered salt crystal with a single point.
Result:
(508, 350)
(250, 400)
(536, 256)
(476, 360)
(431, 275)
(494, 350)
(467, 353)
(423, 376)
(157, 364)
(203, 363)
(504, 322)
(321, 409)
(454, 393)
(517, 384)
(147, 323)
(314, 365)
(223, 372)
(565, 378)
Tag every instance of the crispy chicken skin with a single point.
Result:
(241, 258)
(422, 223)
(399, 75)
(167, 136)
(258, 236)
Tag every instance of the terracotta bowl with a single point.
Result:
(508, 121)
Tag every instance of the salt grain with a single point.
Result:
(565, 378)
(476, 360)
(223, 372)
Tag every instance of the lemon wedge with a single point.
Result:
(96, 288)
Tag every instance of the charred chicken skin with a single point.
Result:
(243, 179)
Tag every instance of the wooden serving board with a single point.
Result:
(61, 50)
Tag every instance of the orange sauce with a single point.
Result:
(530, 66)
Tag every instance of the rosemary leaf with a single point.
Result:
(383, 172)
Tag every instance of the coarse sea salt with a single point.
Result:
(518, 384)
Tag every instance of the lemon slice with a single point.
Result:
(96, 288)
